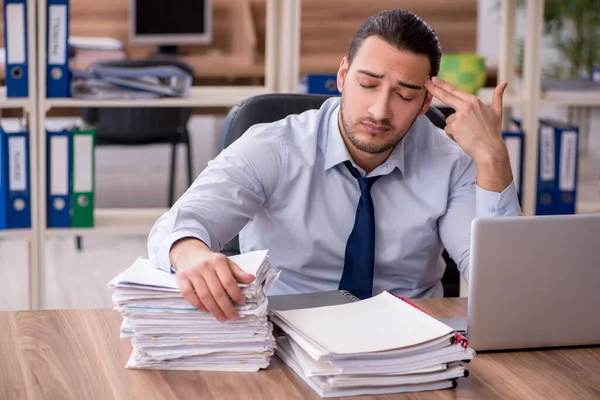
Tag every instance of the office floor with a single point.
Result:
(78, 279)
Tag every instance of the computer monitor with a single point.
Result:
(170, 23)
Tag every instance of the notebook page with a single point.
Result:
(380, 323)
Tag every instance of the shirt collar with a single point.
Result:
(336, 151)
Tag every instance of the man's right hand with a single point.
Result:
(208, 280)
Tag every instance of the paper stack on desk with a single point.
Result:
(169, 333)
(379, 345)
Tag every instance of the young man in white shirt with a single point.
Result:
(362, 194)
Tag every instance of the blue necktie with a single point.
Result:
(357, 277)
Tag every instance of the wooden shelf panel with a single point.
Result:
(19, 102)
(201, 96)
(571, 97)
(115, 222)
(16, 234)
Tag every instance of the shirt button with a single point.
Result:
(492, 210)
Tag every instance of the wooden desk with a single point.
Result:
(77, 354)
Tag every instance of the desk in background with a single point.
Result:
(77, 354)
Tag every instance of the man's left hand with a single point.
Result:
(477, 129)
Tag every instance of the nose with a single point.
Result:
(380, 110)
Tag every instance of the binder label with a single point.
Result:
(568, 158)
(83, 150)
(547, 172)
(59, 167)
(57, 34)
(15, 32)
(16, 159)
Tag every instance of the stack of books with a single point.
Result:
(167, 332)
(374, 346)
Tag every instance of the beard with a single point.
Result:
(372, 147)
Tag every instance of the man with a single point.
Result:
(362, 194)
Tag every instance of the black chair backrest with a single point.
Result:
(275, 106)
(138, 125)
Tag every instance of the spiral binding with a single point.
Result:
(349, 295)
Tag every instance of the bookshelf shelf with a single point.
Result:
(206, 96)
(17, 234)
(114, 221)
(21, 102)
(571, 98)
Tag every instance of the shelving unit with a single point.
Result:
(282, 61)
(533, 99)
(530, 92)
(28, 105)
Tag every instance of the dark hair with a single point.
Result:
(403, 30)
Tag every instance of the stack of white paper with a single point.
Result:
(374, 346)
(169, 333)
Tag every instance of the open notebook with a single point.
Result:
(379, 345)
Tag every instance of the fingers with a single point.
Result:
(240, 274)
(189, 294)
(206, 297)
(448, 88)
(448, 94)
(497, 98)
(449, 128)
(450, 119)
(227, 278)
(220, 297)
(209, 282)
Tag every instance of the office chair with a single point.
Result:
(140, 126)
(276, 106)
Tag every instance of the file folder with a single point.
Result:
(15, 39)
(19, 195)
(58, 79)
(514, 141)
(566, 138)
(83, 182)
(58, 202)
(3, 181)
(547, 182)
(322, 84)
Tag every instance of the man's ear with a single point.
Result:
(426, 103)
(341, 75)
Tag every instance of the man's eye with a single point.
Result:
(403, 98)
(366, 86)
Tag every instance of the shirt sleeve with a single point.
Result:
(466, 202)
(492, 204)
(224, 197)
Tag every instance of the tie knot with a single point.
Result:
(363, 183)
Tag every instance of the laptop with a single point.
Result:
(534, 283)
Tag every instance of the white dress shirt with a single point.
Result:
(284, 186)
